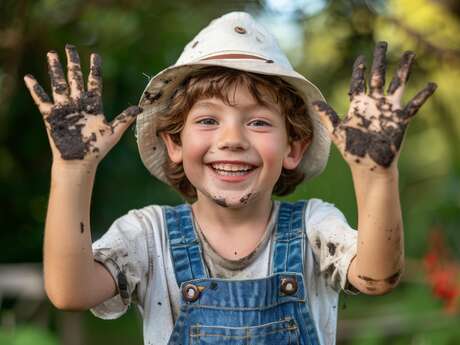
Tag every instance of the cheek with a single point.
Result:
(272, 152)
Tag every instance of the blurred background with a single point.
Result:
(139, 38)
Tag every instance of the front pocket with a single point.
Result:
(283, 332)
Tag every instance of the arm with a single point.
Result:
(79, 137)
(370, 138)
(379, 262)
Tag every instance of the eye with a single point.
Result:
(207, 121)
(259, 123)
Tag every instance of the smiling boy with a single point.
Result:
(228, 126)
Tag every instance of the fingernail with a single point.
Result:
(69, 46)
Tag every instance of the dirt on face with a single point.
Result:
(220, 201)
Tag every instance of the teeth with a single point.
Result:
(231, 167)
(230, 173)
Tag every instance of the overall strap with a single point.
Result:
(184, 246)
(289, 237)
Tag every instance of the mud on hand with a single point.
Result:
(373, 130)
(75, 122)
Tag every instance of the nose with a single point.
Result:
(233, 138)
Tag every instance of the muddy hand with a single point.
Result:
(75, 123)
(372, 132)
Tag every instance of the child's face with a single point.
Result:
(234, 154)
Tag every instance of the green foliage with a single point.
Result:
(27, 335)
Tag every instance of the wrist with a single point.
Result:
(73, 169)
(365, 173)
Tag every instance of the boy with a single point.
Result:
(227, 126)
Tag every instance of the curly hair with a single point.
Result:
(215, 81)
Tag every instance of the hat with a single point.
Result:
(234, 40)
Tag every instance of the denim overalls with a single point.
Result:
(271, 310)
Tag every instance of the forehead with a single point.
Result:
(241, 97)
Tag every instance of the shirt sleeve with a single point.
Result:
(333, 242)
(123, 251)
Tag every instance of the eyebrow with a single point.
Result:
(211, 104)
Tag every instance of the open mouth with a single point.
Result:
(226, 169)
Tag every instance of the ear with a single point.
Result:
(174, 149)
(295, 152)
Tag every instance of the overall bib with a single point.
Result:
(269, 311)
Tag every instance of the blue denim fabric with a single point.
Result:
(236, 312)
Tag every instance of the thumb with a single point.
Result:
(327, 116)
(122, 122)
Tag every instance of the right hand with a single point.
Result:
(77, 129)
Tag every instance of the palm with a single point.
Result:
(371, 133)
(75, 122)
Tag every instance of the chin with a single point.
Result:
(233, 200)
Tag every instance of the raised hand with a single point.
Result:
(76, 126)
(371, 134)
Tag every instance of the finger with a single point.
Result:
(58, 83)
(39, 95)
(417, 101)
(401, 76)
(74, 74)
(358, 84)
(377, 80)
(125, 119)
(95, 75)
(328, 116)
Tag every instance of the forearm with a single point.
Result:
(69, 266)
(380, 257)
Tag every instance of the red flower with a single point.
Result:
(443, 273)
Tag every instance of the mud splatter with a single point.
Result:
(378, 67)
(324, 107)
(41, 94)
(122, 285)
(67, 121)
(96, 68)
(329, 270)
(393, 278)
(66, 131)
(269, 61)
(73, 55)
(159, 303)
(357, 84)
(414, 105)
(213, 286)
(220, 201)
(245, 198)
(318, 243)
(152, 97)
(195, 44)
(403, 72)
(368, 279)
(331, 246)
(82, 227)
(381, 147)
(56, 74)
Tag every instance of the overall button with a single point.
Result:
(190, 293)
(289, 285)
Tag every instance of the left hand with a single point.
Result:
(371, 134)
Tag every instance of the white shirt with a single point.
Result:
(136, 244)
